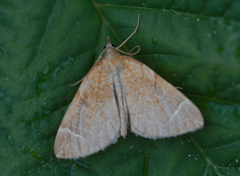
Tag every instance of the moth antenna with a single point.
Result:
(134, 49)
(77, 82)
(179, 88)
(130, 54)
(99, 57)
(132, 33)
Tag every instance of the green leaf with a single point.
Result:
(45, 46)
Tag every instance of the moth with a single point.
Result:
(117, 94)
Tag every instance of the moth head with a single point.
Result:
(109, 44)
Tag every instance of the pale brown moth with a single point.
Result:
(117, 94)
